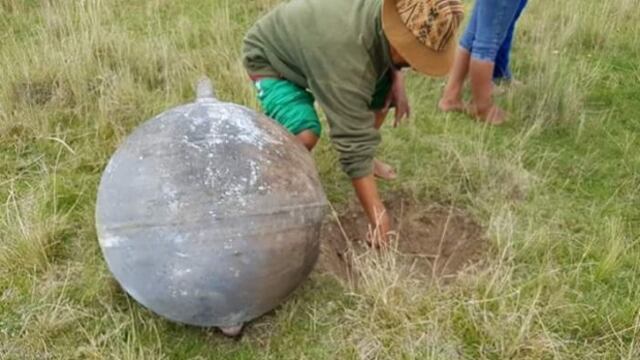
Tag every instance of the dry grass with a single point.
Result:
(557, 190)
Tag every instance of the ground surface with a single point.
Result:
(430, 242)
(554, 193)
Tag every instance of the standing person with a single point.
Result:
(476, 57)
(346, 54)
(502, 70)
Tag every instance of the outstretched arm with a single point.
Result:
(355, 138)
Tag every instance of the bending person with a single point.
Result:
(346, 55)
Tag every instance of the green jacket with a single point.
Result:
(336, 49)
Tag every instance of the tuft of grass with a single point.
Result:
(32, 233)
(557, 189)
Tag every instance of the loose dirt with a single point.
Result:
(433, 240)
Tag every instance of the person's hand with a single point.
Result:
(379, 220)
(398, 96)
(379, 235)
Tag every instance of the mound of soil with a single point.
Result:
(432, 239)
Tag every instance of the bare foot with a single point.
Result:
(448, 105)
(232, 331)
(499, 89)
(493, 115)
(383, 171)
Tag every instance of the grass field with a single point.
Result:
(557, 190)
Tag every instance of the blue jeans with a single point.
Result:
(488, 28)
(502, 70)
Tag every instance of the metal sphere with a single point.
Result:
(210, 213)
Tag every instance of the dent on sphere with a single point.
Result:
(209, 214)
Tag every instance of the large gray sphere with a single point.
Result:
(210, 213)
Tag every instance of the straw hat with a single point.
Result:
(423, 32)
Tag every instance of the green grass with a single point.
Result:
(557, 188)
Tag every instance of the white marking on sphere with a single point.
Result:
(181, 272)
(110, 241)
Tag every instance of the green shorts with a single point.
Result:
(292, 106)
(288, 104)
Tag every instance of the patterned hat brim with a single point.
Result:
(420, 57)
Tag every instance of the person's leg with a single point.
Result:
(502, 71)
(482, 106)
(292, 107)
(452, 95)
(493, 21)
(308, 138)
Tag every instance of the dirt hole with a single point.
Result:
(433, 240)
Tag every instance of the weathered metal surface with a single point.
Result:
(209, 214)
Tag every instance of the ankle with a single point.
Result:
(481, 108)
(452, 92)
